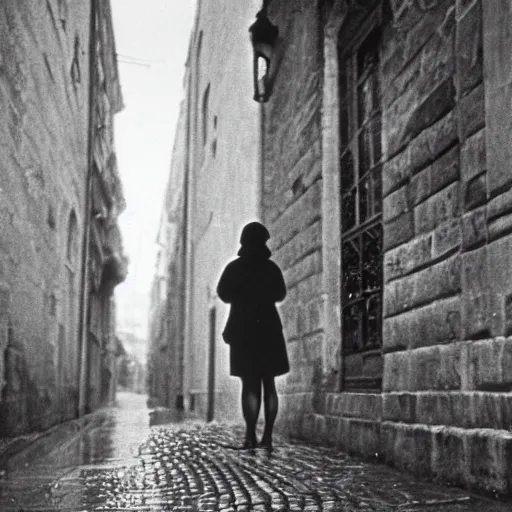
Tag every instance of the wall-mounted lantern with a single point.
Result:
(263, 38)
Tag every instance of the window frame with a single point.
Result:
(351, 128)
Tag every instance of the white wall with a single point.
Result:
(225, 186)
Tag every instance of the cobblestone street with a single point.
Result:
(114, 461)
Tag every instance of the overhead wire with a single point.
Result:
(137, 61)
(122, 61)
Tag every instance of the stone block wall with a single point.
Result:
(176, 204)
(292, 194)
(43, 134)
(444, 410)
(174, 314)
(167, 328)
(446, 373)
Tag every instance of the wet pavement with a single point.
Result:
(114, 460)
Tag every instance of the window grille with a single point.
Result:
(361, 212)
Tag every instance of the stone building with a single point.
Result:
(167, 311)
(58, 165)
(223, 185)
(107, 266)
(159, 342)
(387, 189)
(217, 155)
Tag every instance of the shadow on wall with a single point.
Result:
(27, 405)
(23, 406)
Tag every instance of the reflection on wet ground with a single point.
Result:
(163, 416)
(131, 459)
(109, 435)
(49, 470)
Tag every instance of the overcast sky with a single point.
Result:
(152, 33)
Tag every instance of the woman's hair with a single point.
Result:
(254, 233)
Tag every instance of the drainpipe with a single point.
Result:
(261, 166)
(82, 351)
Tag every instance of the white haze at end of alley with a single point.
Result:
(151, 42)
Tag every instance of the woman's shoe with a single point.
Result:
(266, 442)
(248, 445)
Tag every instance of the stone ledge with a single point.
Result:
(480, 365)
(355, 436)
(354, 405)
(478, 458)
(473, 409)
(36, 443)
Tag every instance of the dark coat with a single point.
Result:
(252, 285)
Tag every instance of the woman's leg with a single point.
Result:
(251, 402)
(271, 404)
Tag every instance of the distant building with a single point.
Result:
(167, 301)
(60, 195)
(130, 371)
(131, 362)
(158, 356)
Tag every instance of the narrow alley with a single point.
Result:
(115, 460)
(311, 196)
